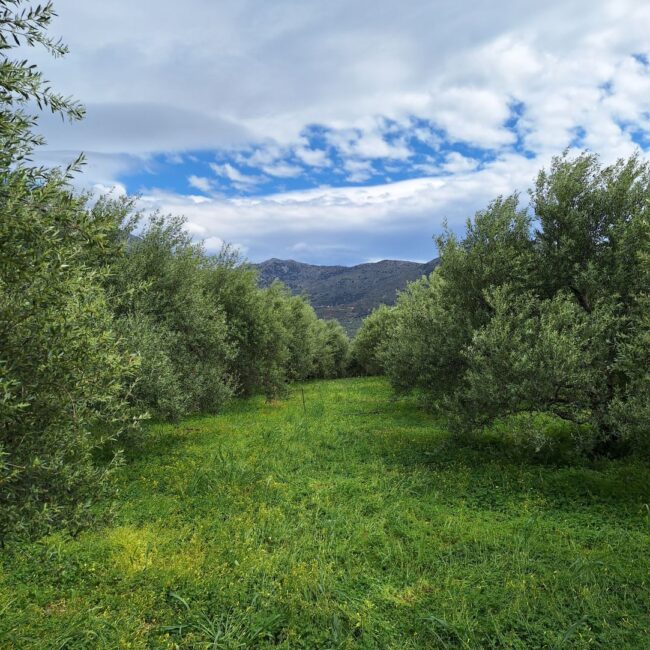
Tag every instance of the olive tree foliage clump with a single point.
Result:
(332, 345)
(540, 310)
(22, 83)
(202, 328)
(294, 344)
(63, 375)
(257, 325)
(436, 317)
(164, 309)
(276, 337)
(368, 346)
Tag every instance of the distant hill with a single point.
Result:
(346, 293)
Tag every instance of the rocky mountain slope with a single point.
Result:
(346, 293)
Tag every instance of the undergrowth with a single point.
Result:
(353, 521)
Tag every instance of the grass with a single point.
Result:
(355, 524)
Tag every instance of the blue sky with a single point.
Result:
(412, 150)
(342, 132)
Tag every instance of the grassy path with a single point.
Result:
(353, 525)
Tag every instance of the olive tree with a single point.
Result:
(63, 374)
(540, 310)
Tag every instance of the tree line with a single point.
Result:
(537, 314)
(100, 328)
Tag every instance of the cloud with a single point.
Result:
(464, 100)
(200, 183)
(368, 143)
(312, 157)
(213, 244)
(473, 115)
(98, 169)
(327, 249)
(222, 76)
(235, 176)
(142, 127)
(224, 81)
(374, 218)
(282, 170)
(358, 170)
(457, 163)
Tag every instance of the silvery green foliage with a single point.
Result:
(534, 355)
(332, 350)
(301, 322)
(63, 374)
(24, 25)
(158, 389)
(422, 348)
(551, 318)
(436, 316)
(368, 346)
(277, 337)
(168, 317)
(233, 286)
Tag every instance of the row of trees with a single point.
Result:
(100, 328)
(202, 327)
(538, 310)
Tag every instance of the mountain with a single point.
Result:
(346, 293)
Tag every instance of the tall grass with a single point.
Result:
(352, 522)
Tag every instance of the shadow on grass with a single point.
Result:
(157, 439)
(480, 469)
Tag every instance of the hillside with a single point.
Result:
(347, 293)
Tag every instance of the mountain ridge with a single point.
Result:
(345, 293)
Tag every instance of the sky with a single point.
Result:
(342, 131)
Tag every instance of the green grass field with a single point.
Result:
(355, 523)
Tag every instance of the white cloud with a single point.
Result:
(200, 183)
(456, 163)
(282, 170)
(213, 244)
(472, 114)
(267, 154)
(368, 143)
(312, 157)
(455, 63)
(339, 64)
(305, 247)
(175, 159)
(248, 78)
(358, 170)
(238, 179)
(115, 190)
